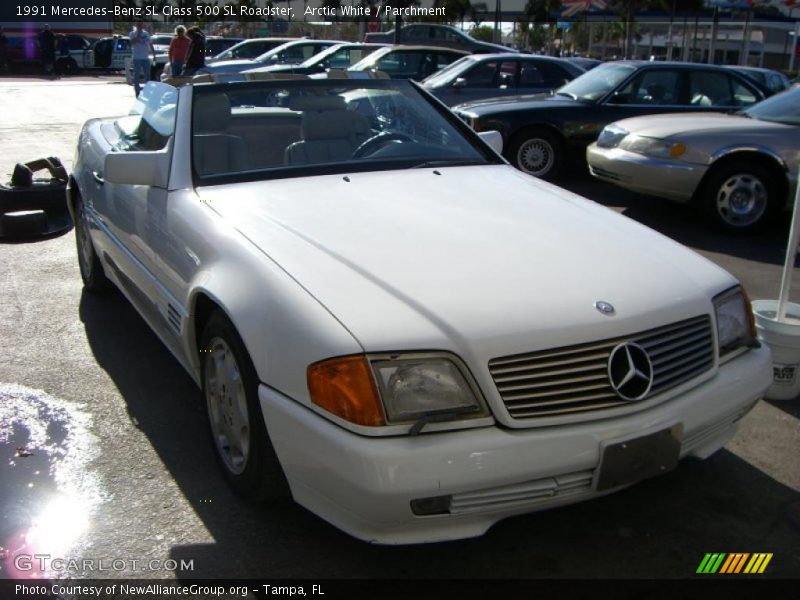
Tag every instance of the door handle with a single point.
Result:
(98, 177)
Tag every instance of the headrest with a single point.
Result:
(304, 103)
(212, 113)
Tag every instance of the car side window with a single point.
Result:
(710, 89)
(553, 74)
(416, 32)
(774, 83)
(530, 75)
(653, 86)
(445, 58)
(341, 59)
(481, 75)
(742, 95)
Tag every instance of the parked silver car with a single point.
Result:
(738, 169)
(481, 76)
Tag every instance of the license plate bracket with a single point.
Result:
(635, 459)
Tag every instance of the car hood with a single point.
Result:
(544, 101)
(483, 261)
(698, 124)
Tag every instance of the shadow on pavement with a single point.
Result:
(659, 528)
(790, 407)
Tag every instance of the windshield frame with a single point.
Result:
(484, 151)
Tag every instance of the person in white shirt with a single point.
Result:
(142, 49)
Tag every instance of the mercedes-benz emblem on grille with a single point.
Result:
(604, 307)
(630, 371)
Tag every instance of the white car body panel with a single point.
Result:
(479, 261)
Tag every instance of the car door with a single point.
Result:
(128, 213)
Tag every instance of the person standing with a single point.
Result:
(47, 48)
(142, 49)
(196, 55)
(178, 48)
(3, 51)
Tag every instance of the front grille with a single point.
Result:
(575, 378)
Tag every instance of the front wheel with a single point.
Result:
(740, 197)
(67, 66)
(240, 438)
(537, 152)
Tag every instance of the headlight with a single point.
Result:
(653, 147)
(611, 136)
(735, 325)
(412, 388)
(391, 389)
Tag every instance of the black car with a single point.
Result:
(540, 133)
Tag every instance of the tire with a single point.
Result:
(67, 66)
(238, 434)
(536, 151)
(740, 197)
(92, 273)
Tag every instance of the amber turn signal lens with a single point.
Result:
(344, 386)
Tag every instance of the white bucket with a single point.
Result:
(783, 338)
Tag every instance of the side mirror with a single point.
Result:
(460, 82)
(137, 168)
(494, 139)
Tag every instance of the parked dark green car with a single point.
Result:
(543, 133)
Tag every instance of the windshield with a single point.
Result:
(598, 82)
(446, 73)
(368, 61)
(266, 56)
(271, 129)
(151, 121)
(783, 108)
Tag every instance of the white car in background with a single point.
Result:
(416, 337)
(740, 170)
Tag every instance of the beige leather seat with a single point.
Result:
(331, 133)
(215, 150)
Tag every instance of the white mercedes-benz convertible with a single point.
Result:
(389, 322)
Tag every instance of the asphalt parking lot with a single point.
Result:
(119, 439)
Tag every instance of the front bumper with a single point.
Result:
(669, 179)
(365, 485)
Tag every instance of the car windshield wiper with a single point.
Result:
(447, 163)
(568, 95)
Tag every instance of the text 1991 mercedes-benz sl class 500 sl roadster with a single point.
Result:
(392, 324)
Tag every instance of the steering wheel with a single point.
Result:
(375, 143)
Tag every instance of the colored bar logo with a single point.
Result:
(734, 563)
